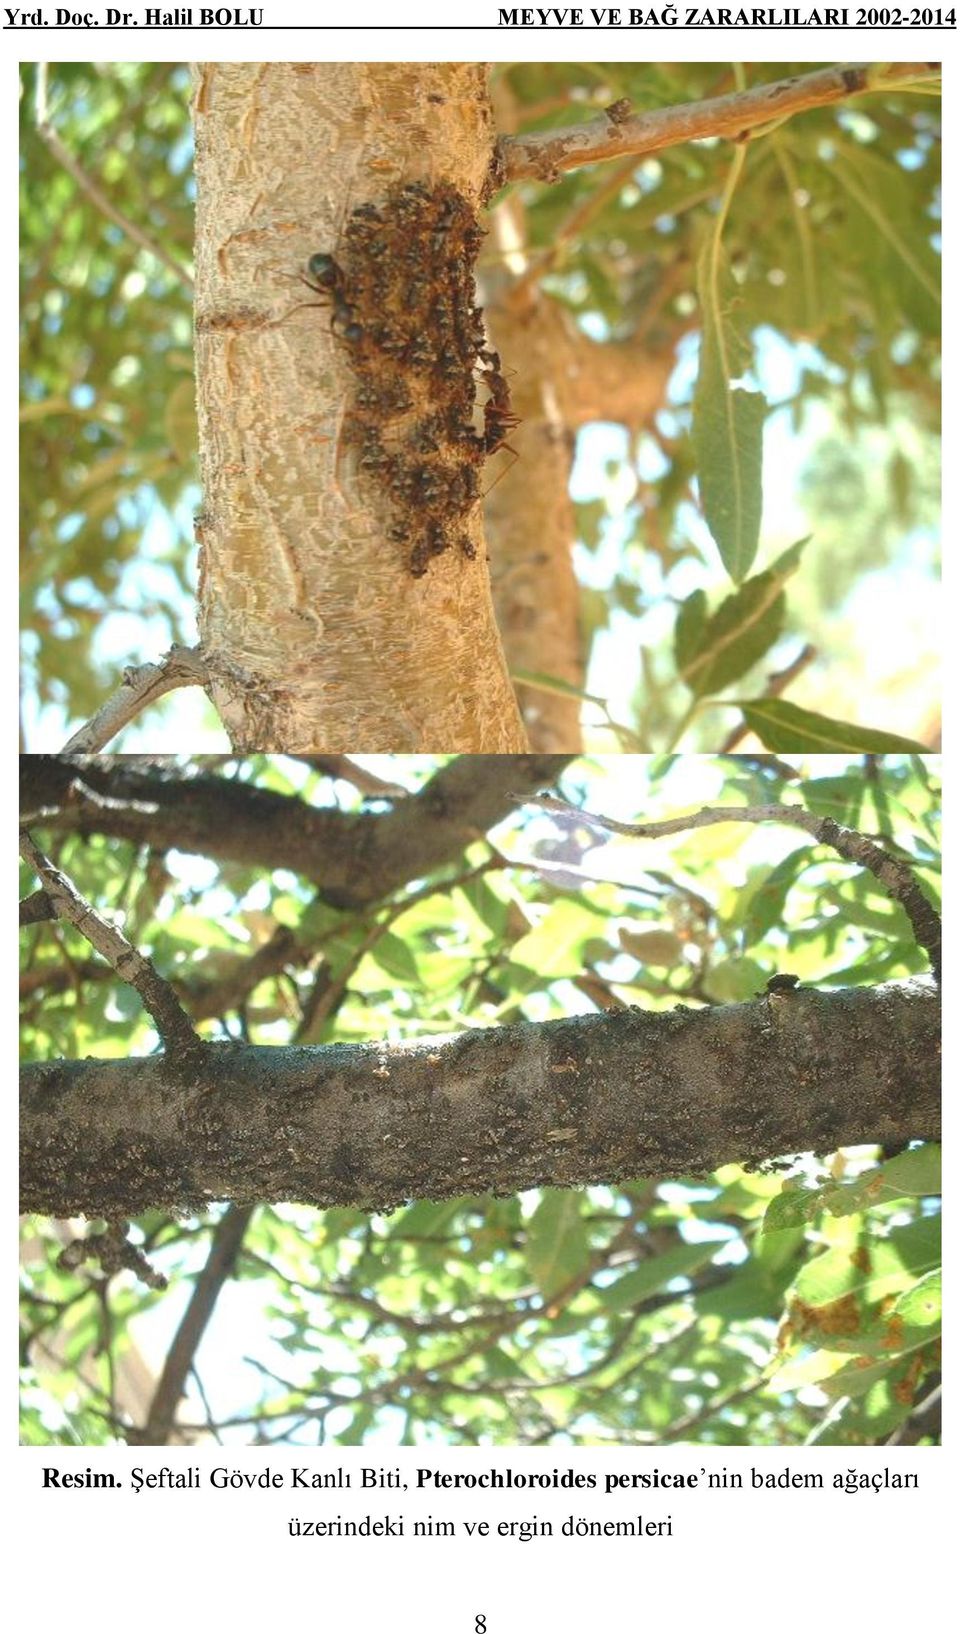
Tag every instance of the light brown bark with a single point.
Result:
(315, 632)
(545, 154)
(560, 381)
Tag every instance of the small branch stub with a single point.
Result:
(172, 1022)
(142, 685)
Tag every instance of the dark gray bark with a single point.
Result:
(599, 1098)
(355, 857)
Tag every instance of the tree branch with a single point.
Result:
(356, 857)
(897, 878)
(589, 1100)
(225, 1246)
(171, 1020)
(93, 190)
(776, 685)
(544, 155)
(35, 908)
(142, 685)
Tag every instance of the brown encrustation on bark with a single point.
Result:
(593, 1099)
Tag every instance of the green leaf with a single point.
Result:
(688, 633)
(743, 628)
(869, 1417)
(909, 1174)
(635, 1286)
(397, 959)
(727, 428)
(784, 726)
(489, 907)
(426, 1219)
(734, 980)
(887, 1266)
(766, 901)
(881, 190)
(920, 1307)
(917, 1173)
(557, 1249)
(555, 947)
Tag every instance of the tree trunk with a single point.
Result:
(344, 593)
(594, 1099)
(565, 382)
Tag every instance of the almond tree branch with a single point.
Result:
(348, 771)
(355, 857)
(897, 878)
(588, 1100)
(35, 908)
(544, 155)
(171, 1020)
(142, 685)
(225, 1246)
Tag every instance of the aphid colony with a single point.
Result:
(403, 303)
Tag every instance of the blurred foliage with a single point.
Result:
(108, 478)
(793, 1305)
(832, 248)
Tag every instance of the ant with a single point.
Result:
(498, 416)
(327, 279)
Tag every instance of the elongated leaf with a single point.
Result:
(688, 634)
(727, 429)
(784, 726)
(910, 266)
(743, 628)
(557, 1245)
(765, 904)
(635, 1286)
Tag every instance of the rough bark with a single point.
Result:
(320, 628)
(600, 1098)
(355, 857)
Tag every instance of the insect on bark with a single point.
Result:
(326, 278)
(499, 419)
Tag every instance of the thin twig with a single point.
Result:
(348, 771)
(142, 685)
(776, 685)
(896, 878)
(171, 1020)
(93, 190)
(543, 155)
